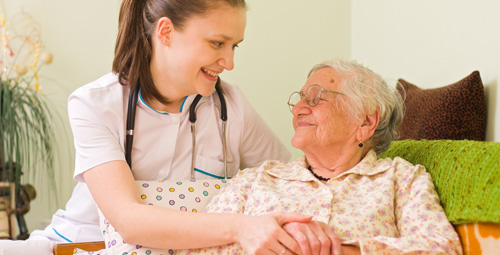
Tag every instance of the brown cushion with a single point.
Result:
(454, 112)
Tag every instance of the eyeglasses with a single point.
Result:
(312, 95)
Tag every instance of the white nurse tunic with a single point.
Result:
(162, 146)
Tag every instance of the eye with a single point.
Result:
(235, 46)
(217, 44)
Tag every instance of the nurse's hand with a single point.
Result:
(264, 234)
(314, 237)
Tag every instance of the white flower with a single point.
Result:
(21, 70)
(46, 57)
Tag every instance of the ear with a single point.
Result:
(368, 126)
(164, 31)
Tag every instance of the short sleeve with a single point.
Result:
(95, 129)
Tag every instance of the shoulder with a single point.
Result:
(271, 169)
(398, 168)
(104, 86)
(397, 163)
(402, 165)
(406, 173)
(99, 98)
(103, 92)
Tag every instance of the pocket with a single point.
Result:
(205, 167)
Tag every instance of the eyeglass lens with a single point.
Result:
(294, 99)
(313, 95)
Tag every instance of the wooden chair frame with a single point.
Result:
(69, 248)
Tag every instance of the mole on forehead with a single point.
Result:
(332, 81)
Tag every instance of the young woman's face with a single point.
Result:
(203, 49)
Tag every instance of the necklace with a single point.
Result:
(321, 178)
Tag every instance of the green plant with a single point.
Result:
(27, 130)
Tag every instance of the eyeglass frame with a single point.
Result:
(311, 104)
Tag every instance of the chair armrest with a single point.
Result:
(68, 248)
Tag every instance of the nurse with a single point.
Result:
(175, 49)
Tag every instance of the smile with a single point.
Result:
(208, 72)
(303, 124)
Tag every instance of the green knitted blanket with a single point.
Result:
(466, 175)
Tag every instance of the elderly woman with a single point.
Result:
(344, 116)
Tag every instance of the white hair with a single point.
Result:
(366, 92)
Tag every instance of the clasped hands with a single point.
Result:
(290, 234)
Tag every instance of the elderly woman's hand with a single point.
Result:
(264, 234)
(314, 237)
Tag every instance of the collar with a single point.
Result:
(297, 170)
(166, 113)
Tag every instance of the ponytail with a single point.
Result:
(133, 48)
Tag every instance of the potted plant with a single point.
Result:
(27, 130)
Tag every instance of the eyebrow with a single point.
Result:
(228, 38)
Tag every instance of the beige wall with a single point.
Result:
(81, 35)
(432, 44)
(284, 38)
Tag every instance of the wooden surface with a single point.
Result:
(68, 248)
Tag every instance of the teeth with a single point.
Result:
(209, 72)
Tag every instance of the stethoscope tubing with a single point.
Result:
(129, 138)
(130, 125)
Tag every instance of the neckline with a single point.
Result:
(159, 112)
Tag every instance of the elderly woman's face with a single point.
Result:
(326, 124)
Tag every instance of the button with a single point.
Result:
(324, 212)
(174, 120)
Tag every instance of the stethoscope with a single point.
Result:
(132, 105)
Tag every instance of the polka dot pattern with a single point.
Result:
(188, 195)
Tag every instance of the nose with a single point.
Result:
(227, 59)
(301, 107)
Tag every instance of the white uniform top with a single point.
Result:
(162, 145)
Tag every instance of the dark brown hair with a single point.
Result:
(136, 25)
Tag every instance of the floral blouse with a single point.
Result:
(385, 206)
